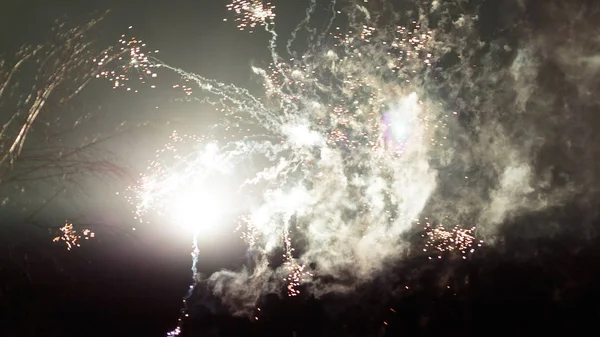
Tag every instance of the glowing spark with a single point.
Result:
(71, 237)
(453, 240)
(252, 13)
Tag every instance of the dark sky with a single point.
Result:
(131, 284)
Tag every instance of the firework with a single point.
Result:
(250, 14)
(296, 277)
(132, 65)
(346, 148)
(71, 237)
(337, 152)
(456, 239)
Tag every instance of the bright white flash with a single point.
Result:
(196, 210)
(187, 194)
(300, 135)
(402, 122)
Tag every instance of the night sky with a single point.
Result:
(527, 74)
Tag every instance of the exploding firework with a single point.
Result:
(250, 14)
(346, 150)
(456, 239)
(332, 152)
(338, 150)
(71, 237)
(133, 64)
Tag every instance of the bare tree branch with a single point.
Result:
(54, 72)
(41, 145)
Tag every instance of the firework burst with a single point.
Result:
(338, 151)
(250, 14)
(132, 64)
(344, 148)
(458, 240)
(71, 237)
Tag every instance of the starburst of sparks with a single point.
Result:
(250, 14)
(130, 64)
(71, 237)
(135, 64)
(456, 239)
(366, 136)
